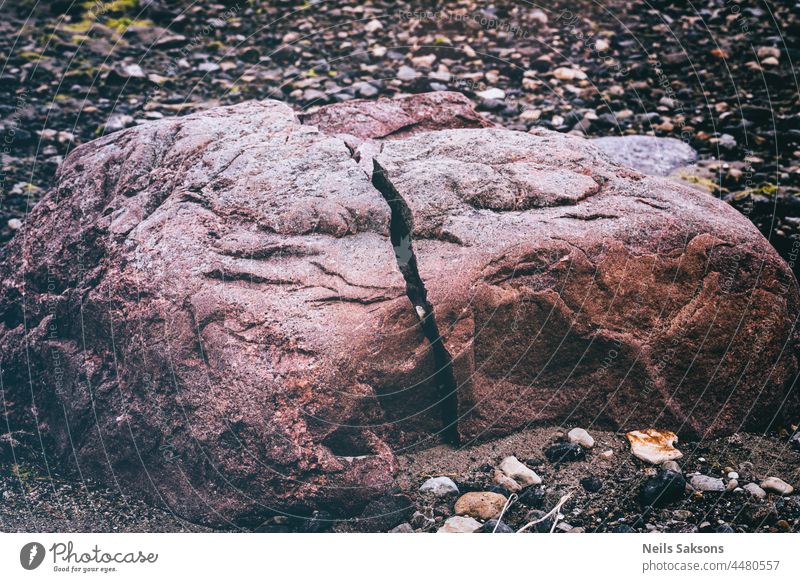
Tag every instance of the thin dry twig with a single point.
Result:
(547, 515)
(511, 499)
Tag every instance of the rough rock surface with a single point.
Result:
(221, 312)
(397, 118)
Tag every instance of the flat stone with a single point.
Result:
(519, 472)
(776, 485)
(655, 156)
(654, 446)
(460, 524)
(706, 483)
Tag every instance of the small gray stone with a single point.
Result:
(208, 67)
(706, 483)
(406, 73)
(118, 121)
(402, 528)
(492, 93)
(755, 491)
(656, 156)
(366, 90)
(439, 486)
(671, 466)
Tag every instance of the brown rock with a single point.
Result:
(221, 313)
(480, 505)
(636, 301)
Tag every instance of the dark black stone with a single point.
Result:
(489, 527)
(623, 528)
(662, 489)
(532, 496)
(501, 490)
(564, 452)
(592, 484)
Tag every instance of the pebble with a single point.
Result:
(706, 483)
(564, 452)
(118, 122)
(519, 472)
(406, 73)
(731, 485)
(492, 93)
(755, 491)
(373, 26)
(727, 141)
(654, 446)
(733, 475)
(366, 90)
(439, 486)
(208, 67)
(402, 528)
(592, 484)
(15, 224)
(671, 466)
(482, 505)
(568, 74)
(493, 526)
(776, 485)
(506, 482)
(607, 454)
(580, 437)
(682, 514)
(663, 489)
(724, 528)
(459, 524)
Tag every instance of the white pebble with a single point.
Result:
(581, 437)
(520, 473)
(439, 486)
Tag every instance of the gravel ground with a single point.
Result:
(32, 501)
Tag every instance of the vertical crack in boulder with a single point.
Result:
(400, 229)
